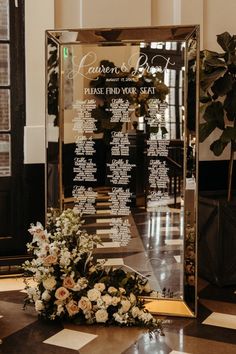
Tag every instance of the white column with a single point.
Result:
(39, 16)
(102, 13)
(189, 12)
(219, 16)
(68, 13)
(116, 13)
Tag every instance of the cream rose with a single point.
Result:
(100, 287)
(72, 308)
(101, 316)
(112, 290)
(122, 290)
(115, 300)
(125, 306)
(145, 316)
(85, 304)
(49, 260)
(107, 299)
(132, 298)
(118, 318)
(49, 283)
(68, 283)
(93, 294)
(135, 312)
(61, 293)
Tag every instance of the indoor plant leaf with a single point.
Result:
(215, 112)
(230, 103)
(224, 40)
(222, 85)
(217, 147)
(228, 134)
(205, 129)
(207, 79)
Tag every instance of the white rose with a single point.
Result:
(100, 287)
(49, 283)
(115, 300)
(46, 296)
(101, 316)
(93, 294)
(85, 304)
(32, 293)
(125, 306)
(118, 318)
(135, 311)
(100, 303)
(145, 317)
(132, 298)
(107, 299)
(39, 306)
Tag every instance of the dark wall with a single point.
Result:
(213, 175)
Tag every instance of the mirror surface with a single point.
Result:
(121, 130)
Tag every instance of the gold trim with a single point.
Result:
(169, 306)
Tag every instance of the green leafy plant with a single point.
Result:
(218, 98)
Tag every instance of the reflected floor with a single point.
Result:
(154, 247)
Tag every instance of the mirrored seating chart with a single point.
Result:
(122, 148)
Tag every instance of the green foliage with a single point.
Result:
(218, 93)
(218, 97)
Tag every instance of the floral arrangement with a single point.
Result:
(71, 285)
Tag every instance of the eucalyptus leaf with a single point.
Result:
(217, 147)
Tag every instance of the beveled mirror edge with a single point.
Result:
(170, 307)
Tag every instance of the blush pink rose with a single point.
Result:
(68, 283)
(49, 260)
(61, 293)
(72, 308)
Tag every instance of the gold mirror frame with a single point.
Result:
(59, 58)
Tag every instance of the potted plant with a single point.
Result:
(217, 215)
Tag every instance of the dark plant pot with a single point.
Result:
(217, 239)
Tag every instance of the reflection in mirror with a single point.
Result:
(126, 155)
(5, 153)
(52, 133)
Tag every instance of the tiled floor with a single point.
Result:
(212, 332)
